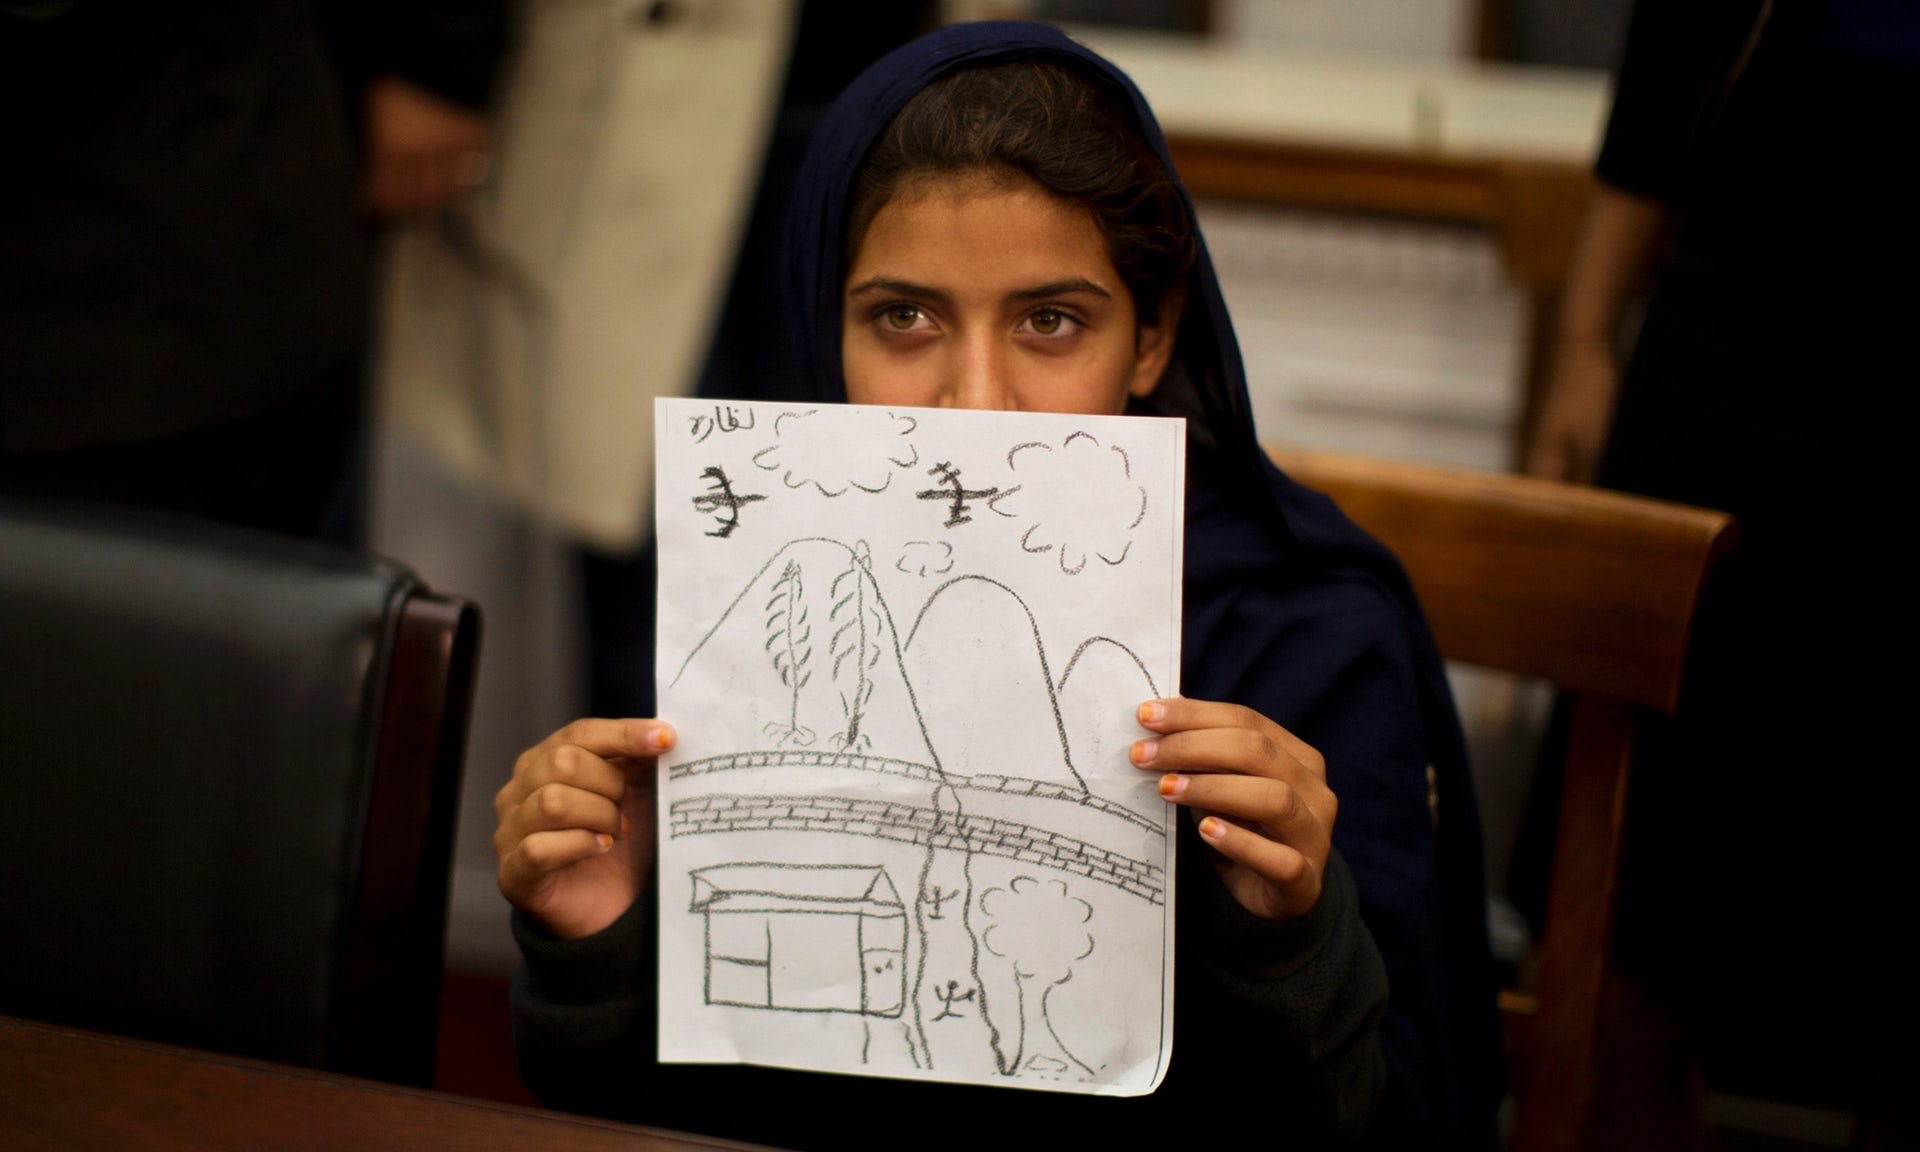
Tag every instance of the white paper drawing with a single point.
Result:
(900, 835)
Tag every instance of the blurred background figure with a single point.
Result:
(186, 227)
(1736, 319)
(623, 246)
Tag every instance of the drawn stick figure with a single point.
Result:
(939, 898)
(949, 996)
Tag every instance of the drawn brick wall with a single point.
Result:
(913, 824)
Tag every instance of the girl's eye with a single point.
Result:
(901, 317)
(1052, 322)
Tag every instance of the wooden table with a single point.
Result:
(1504, 147)
(63, 1090)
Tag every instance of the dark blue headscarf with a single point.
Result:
(1289, 608)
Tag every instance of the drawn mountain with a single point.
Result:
(974, 641)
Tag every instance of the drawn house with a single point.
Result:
(803, 938)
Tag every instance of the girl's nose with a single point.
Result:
(978, 376)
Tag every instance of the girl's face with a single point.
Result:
(969, 292)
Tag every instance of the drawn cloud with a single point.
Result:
(1080, 473)
(861, 452)
(925, 558)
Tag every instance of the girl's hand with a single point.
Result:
(575, 833)
(1260, 794)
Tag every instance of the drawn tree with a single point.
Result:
(789, 640)
(855, 646)
(1032, 926)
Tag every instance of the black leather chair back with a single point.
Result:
(231, 775)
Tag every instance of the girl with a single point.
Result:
(988, 218)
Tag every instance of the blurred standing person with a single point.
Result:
(1735, 322)
(621, 251)
(743, 358)
(184, 241)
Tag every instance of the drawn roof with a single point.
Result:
(788, 887)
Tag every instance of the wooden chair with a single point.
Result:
(1595, 593)
(232, 767)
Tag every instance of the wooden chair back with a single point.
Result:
(1595, 593)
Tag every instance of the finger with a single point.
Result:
(1213, 735)
(565, 766)
(538, 856)
(1239, 751)
(556, 808)
(1275, 809)
(1286, 868)
(616, 740)
(565, 806)
(1179, 714)
(603, 756)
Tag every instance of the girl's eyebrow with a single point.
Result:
(898, 288)
(1067, 287)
